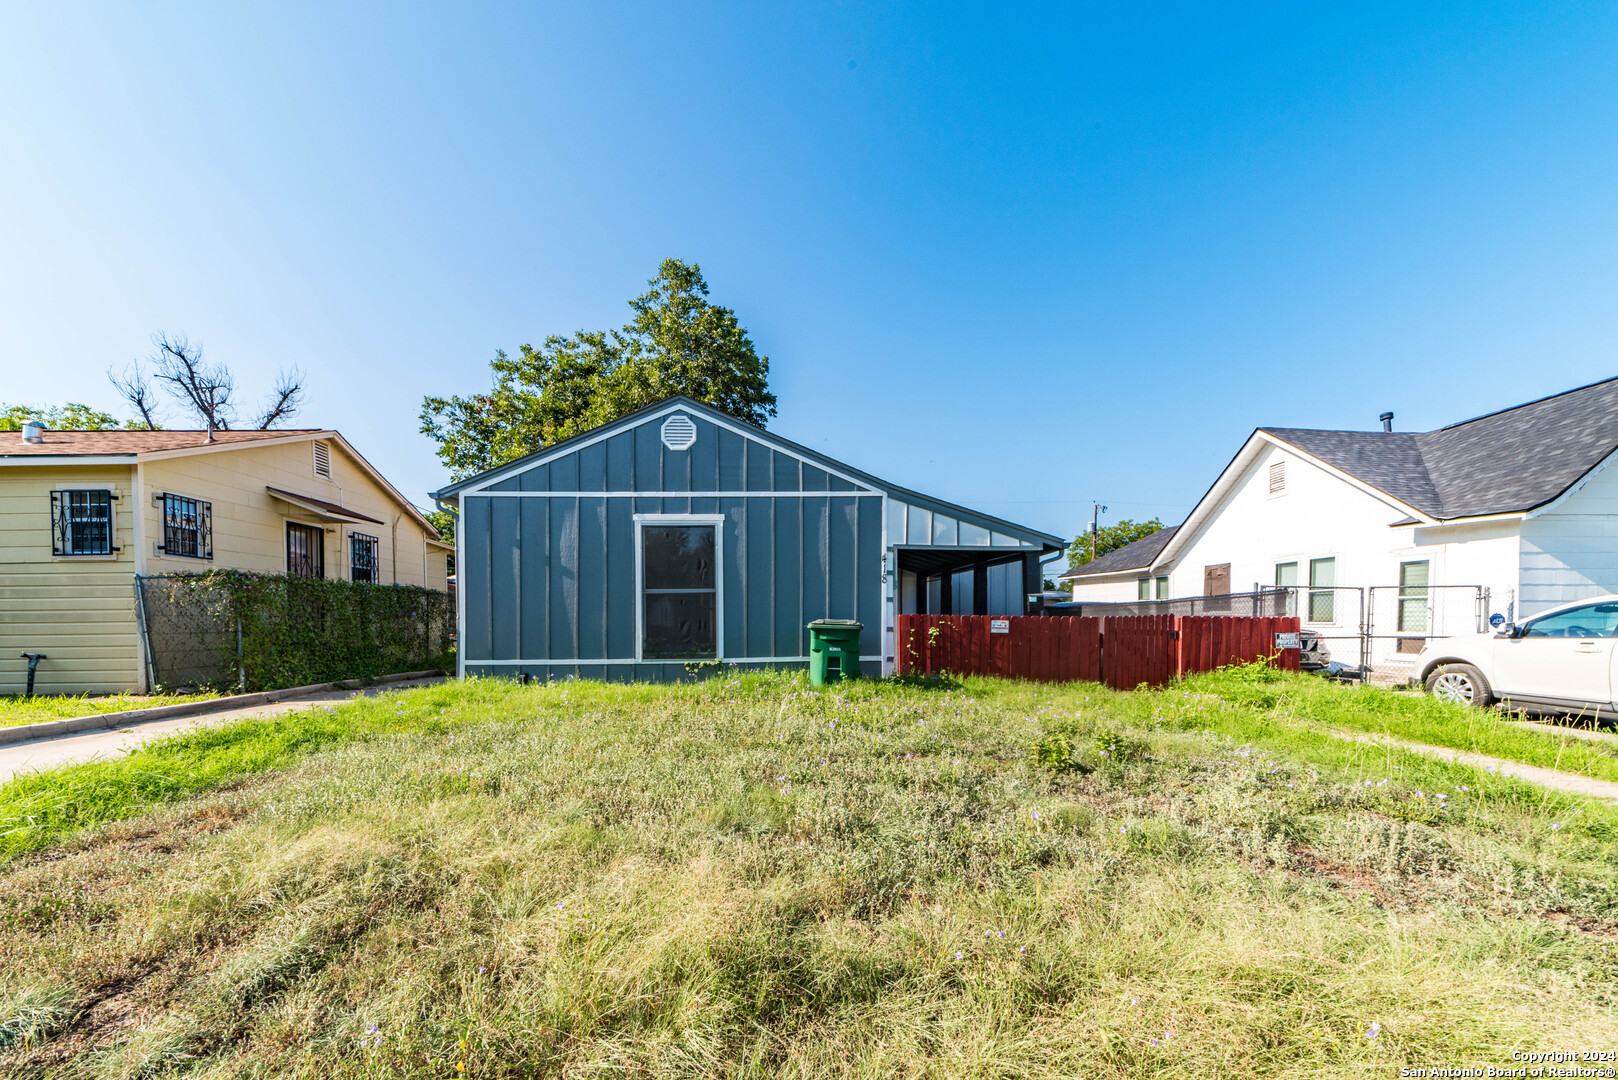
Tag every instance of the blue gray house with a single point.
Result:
(681, 534)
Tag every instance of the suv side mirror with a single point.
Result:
(1509, 630)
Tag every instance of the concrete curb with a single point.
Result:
(102, 721)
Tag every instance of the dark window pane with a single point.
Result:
(362, 565)
(306, 551)
(678, 556)
(680, 626)
(89, 515)
(182, 527)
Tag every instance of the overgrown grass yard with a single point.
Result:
(1421, 719)
(15, 709)
(750, 878)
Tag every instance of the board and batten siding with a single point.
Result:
(549, 562)
(80, 610)
(549, 554)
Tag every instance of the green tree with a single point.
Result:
(676, 342)
(1108, 538)
(73, 416)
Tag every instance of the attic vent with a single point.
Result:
(1278, 477)
(679, 432)
(322, 459)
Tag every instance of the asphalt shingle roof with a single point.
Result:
(1136, 556)
(1504, 462)
(63, 443)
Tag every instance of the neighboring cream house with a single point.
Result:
(83, 512)
(1522, 502)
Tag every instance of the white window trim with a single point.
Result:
(718, 523)
(111, 556)
(1307, 587)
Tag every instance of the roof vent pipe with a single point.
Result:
(1387, 421)
(33, 432)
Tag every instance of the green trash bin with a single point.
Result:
(834, 650)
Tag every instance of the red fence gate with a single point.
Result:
(1121, 651)
(1137, 649)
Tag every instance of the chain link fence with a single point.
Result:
(1262, 603)
(1372, 633)
(238, 630)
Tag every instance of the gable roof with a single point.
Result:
(1137, 556)
(1503, 462)
(79, 443)
(724, 419)
(1512, 461)
(139, 445)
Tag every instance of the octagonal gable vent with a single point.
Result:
(679, 432)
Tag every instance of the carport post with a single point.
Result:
(1033, 578)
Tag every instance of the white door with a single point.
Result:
(1564, 656)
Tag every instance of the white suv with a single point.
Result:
(1561, 660)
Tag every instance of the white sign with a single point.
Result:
(999, 626)
(1288, 641)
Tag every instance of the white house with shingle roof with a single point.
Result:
(1521, 502)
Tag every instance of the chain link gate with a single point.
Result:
(1401, 620)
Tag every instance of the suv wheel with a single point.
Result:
(1460, 683)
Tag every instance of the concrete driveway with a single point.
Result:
(83, 746)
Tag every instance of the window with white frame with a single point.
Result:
(1322, 594)
(680, 592)
(1413, 597)
(362, 558)
(1286, 577)
(1162, 588)
(1143, 588)
(82, 522)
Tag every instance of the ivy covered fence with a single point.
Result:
(230, 629)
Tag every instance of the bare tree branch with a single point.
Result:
(206, 389)
(286, 402)
(137, 390)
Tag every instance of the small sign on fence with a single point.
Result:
(999, 626)
(1288, 641)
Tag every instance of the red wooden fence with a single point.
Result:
(1212, 641)
(1121, 651)
(1045, 648)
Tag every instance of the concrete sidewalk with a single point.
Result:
(69, 749)
(1571, 783)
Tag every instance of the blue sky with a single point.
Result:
(1019, 259)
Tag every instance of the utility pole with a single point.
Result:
(1096, 510)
